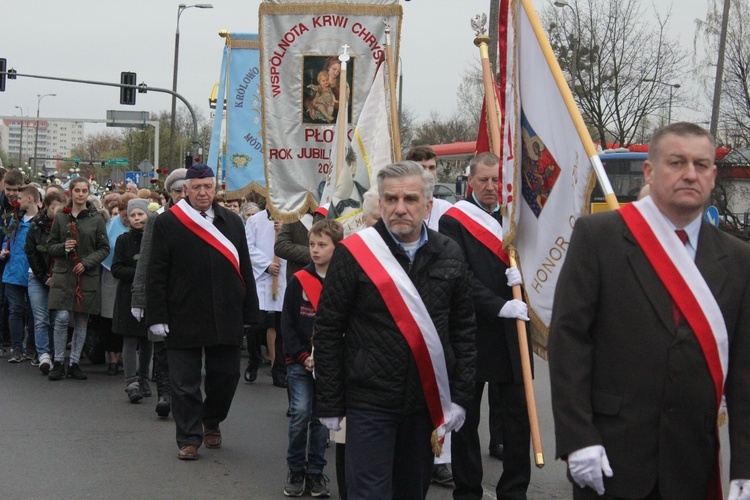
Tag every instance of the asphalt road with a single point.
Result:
(83, 439)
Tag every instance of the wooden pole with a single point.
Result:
(391, 67)
(492, 109)
(342, 116)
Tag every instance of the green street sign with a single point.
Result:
(118, 162)
(68, 158)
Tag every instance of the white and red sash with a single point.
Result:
(203, 229)
(410, 314)
(482, 226)
(685, 284)
(311, 285)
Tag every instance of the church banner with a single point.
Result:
(301, 43)
(239, 95)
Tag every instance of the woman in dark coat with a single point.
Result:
(133, 331)
(78, 242)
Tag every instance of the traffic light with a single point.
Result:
(3, 67)
(127, 95)
(188, 160)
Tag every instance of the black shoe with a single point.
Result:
(112, 369)
(134, 392)
(163, 406)
(295, 483)
(251, 375)
(145, 388)
(497, 452)
(441, 474)
(57, 372)
(318, 485)
(75, 372)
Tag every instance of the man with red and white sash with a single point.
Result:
(650, 328)
(394, 341)
(200, 294)
(474, 224)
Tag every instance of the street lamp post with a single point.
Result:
(671, 86)
(576, 40)
(36, 132)
(20, 147)
(180, 8)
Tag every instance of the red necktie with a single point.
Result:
(682, 234)
(676, 310)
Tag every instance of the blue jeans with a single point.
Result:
(304, 416)
(61, 335)
(17, 300)
(43, 327)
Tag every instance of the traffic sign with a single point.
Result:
(140, 179)
(712, 215)
(145, 166)
(68, 158)
(119, 162)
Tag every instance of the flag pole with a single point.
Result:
(389, 64)
(342, 116)
(492, 109)
(575, 114)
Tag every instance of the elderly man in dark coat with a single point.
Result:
(200, 294)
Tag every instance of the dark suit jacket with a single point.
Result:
(196, 290)
(624, 376)
(498, 357)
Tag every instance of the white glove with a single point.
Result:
(586, 466)
(331, 423)
(160, 329)
(458, 417)
(137, 312)
(739, 489)
(515, 309)
(514, 276)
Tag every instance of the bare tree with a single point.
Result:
(624, 52)
(99, 146)
(471, 96)
(734, 118)
(436, 130)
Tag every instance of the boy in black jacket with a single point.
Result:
(297, 318)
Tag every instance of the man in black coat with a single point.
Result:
(200, 294)
(366, 369)
(498, 358)
(635, 389)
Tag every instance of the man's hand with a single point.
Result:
(137, 312)
(273, 268)
(79, 268)
(514, 276)
(331, 423)
(587, 465)
(4, 254)
(159, 329)
(458, 417)
(739, 489)
(515, 309)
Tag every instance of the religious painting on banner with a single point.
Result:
(301, 43)
(239, 96)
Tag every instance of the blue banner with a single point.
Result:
(239, 87)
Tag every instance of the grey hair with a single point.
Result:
(487, 158)
(407, 169)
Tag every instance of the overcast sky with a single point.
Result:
(97, 39)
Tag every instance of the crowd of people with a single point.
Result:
(385, 340)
